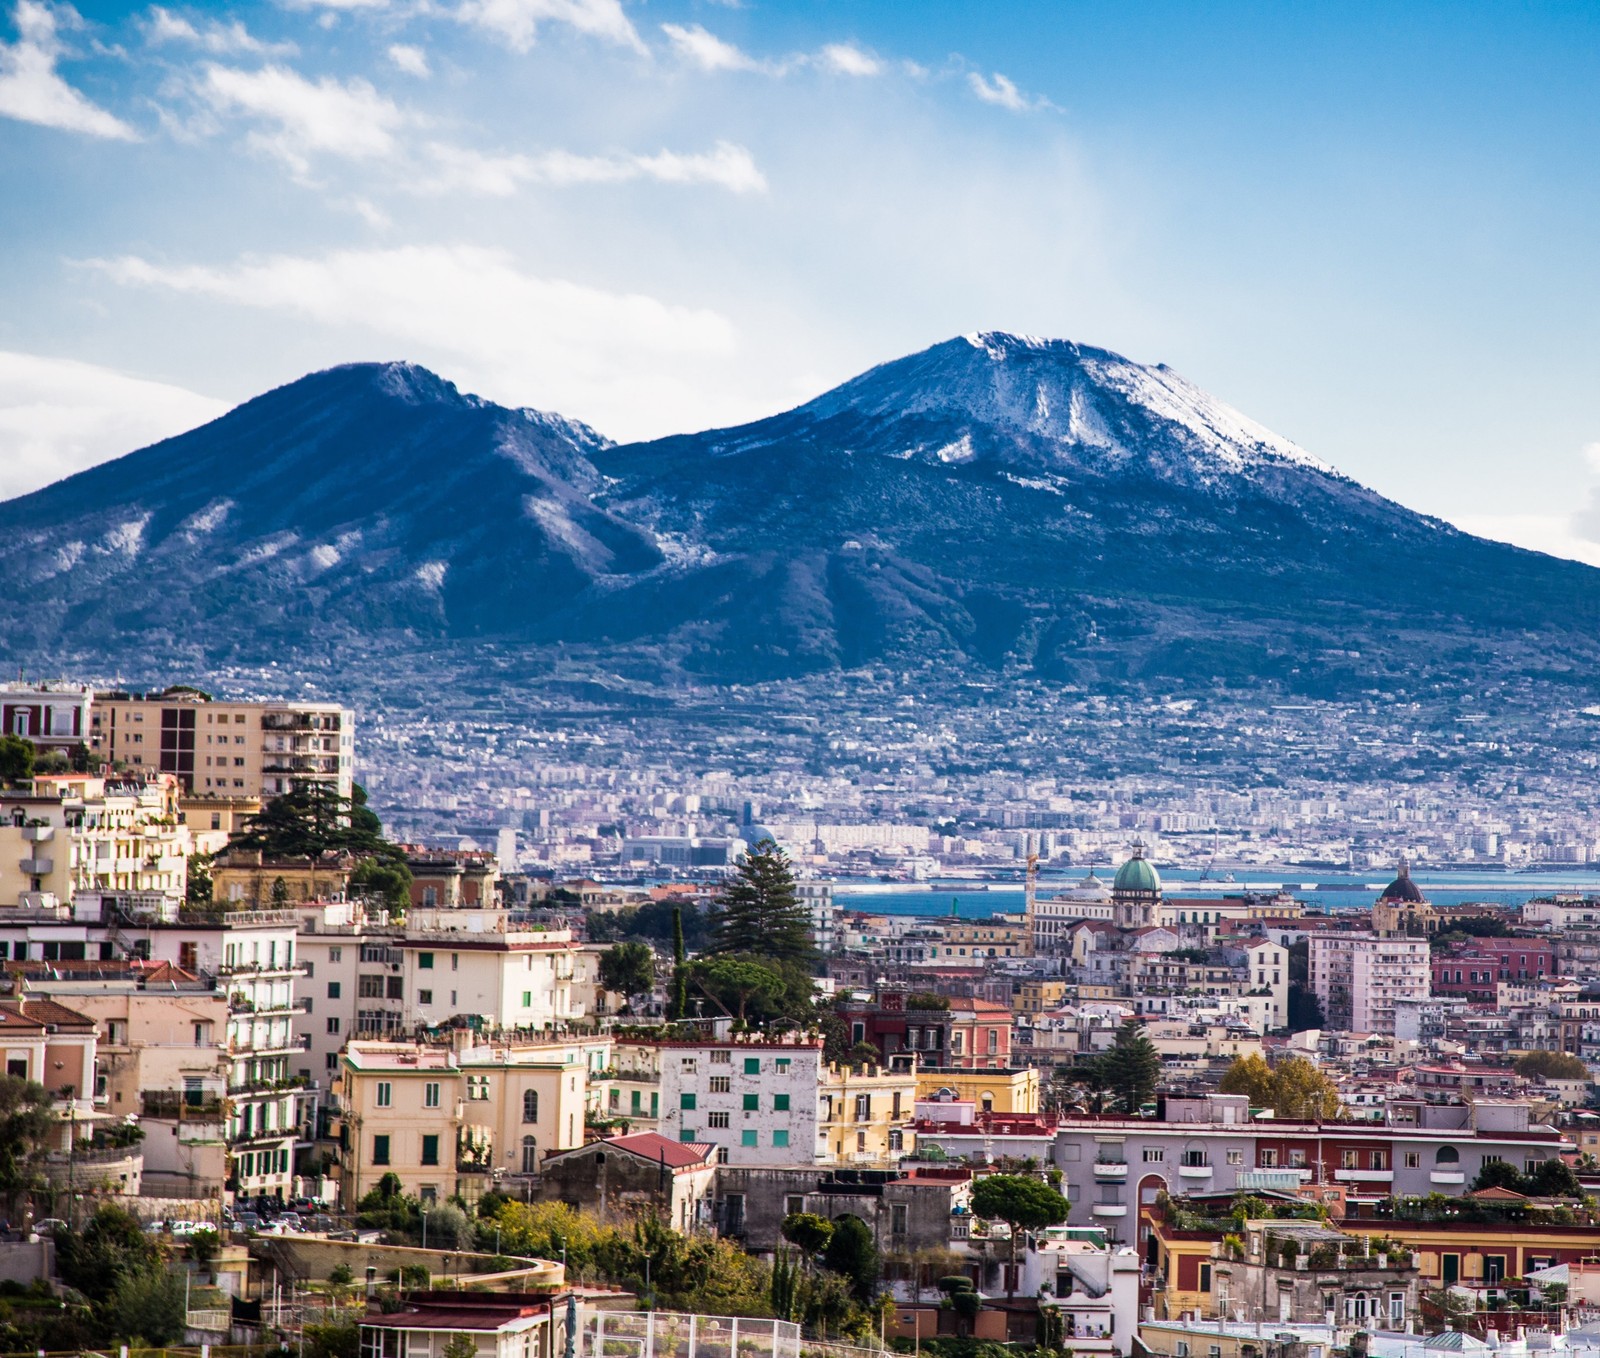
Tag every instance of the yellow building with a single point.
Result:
(462, 1118)
(864, 1114)
(995, 937)
(992, 1091)
(238, 749)
(1038, 997)
(242, 877)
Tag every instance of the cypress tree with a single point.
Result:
(679, 1007)
(759, 911)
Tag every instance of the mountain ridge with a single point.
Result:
(1015, 504)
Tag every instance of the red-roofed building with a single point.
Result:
(500, 1325)
(980, 1035)
(614, 1178)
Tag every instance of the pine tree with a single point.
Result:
(1132, 1067)
(759, 912)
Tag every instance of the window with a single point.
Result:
(1297, 1159)
(1236, 1157)
(380, 1150)
(1450, 1268)
(425, 961)
(716, 1119)
(1183, 1348)
(793, 1205)
(686, 1102)
(721, 1058)
(1347, 1159)
(687, 1134)
(430, 1149)
(747, 1138)
(530, 1154)
(721, 1084)
(780, 1138)
(1154, 1155)
(1380, 1159)
(369, 987)
(1413, 1159)
(782, 1063)
(478, 1088)
(689, 1065)
(752, 1065)
(1494, 1267)
(863, 1108)
(333, 990)
(530, 1105)
(430, 1094)
(780, 1103)
(1397, 1308)
(527, 999)
(385, 1094)
(1205, 1277)
(1269, 1157)
(424, 997)
(335, 954)
(752, 1103)
(333, 1025)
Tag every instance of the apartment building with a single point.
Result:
(816, 898)
(866, 1115)
(251, 749)
(466, 1116)
(53, 716)
(980, 1035)
(467, 961)
(1267, 965)
(759, 1102)
(82, 833)
(1359, 977)
(353, 985)
(1115, 1168)
(161, 1056)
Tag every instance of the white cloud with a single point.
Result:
(1575, 534)
(1001, 91)
(517, 21)
(707, 51)
(626, 362)
(220, 39)
(844, 58)
(58, 416)
(411, 60)
(460, 169)
(302, 118)
(31, 89)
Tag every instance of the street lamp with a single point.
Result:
(424, 1228)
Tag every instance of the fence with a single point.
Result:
(670, 1334)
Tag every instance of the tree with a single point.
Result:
(382, 879)
(1024, 1203)
(198, 890)
(26, 1124)
(679, 1007)
(1294, 1088)
(1498, 1174)
(16, 760)
(1545, 1065)
(1132, 1067)
(852, 1253)
(1553, 1178)
(807, 1232)
(112, 1245)
(1305, 1010)
(461, 1346)
(742, 986)
(628, 969)
(759, 911)
(280, 893)
(147, 1304)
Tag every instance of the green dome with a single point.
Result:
(1137, 874)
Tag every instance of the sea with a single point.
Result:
(1332, 892)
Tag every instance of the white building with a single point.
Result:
(756, 1101)
(817, 900)
(1358, 978)
(1268, 965)
(474, 961)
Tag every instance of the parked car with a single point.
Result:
(49, 1226)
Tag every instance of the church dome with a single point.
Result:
(1137, 874)
(1403, 889)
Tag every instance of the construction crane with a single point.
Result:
(1030, 889)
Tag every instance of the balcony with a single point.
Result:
(1364, 1176)
(171, 1103)
(1447, 1177)
(38, 834)
(37, 867)
(1110, 1209)
(1111, 1169)
(1188, 1170)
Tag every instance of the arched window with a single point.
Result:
(1447, 1155)
(530, 1154)
(530, 1105)
(988, 1103)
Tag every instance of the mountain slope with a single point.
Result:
(992, 504)
(367, 497)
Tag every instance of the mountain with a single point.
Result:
(994, 504)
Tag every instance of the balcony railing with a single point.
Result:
(167, 1103)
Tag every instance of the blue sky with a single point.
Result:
(1370, 227)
